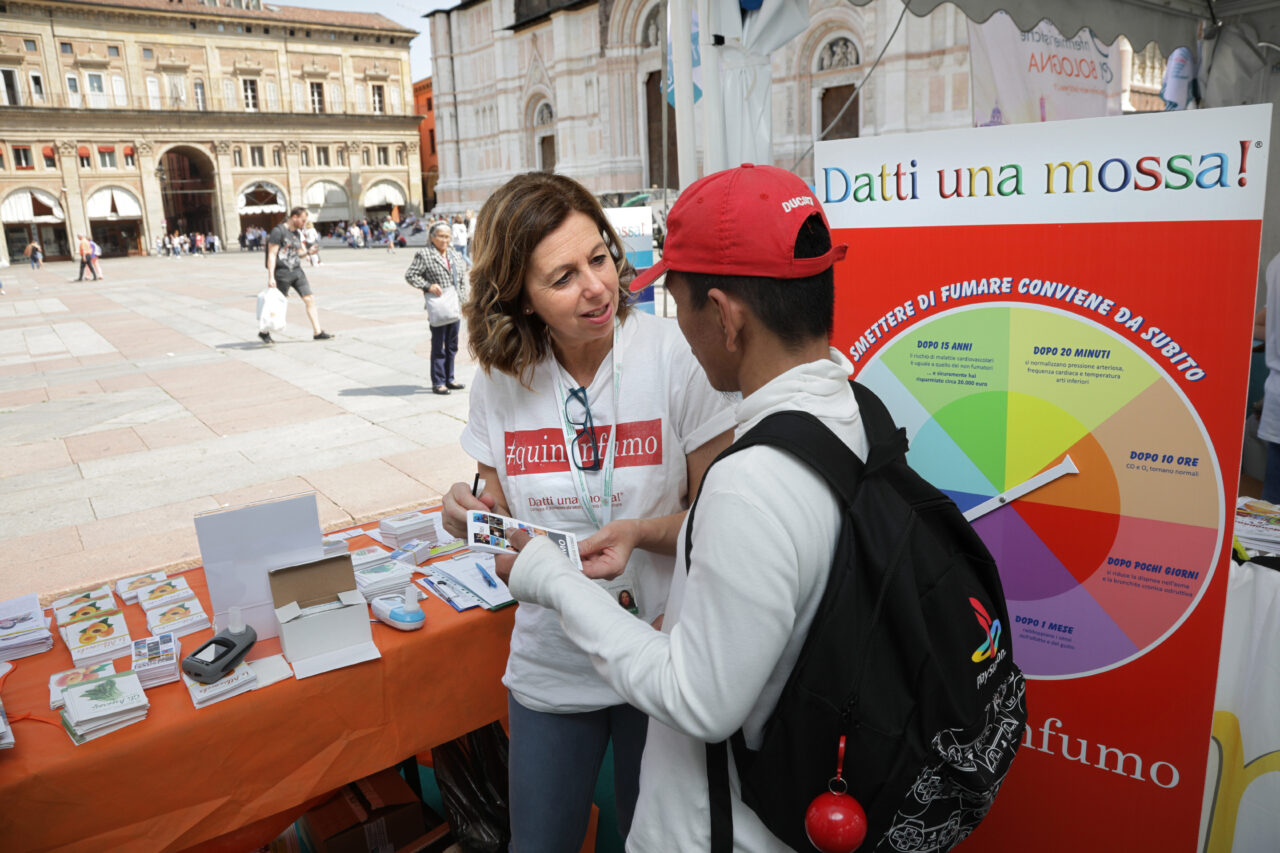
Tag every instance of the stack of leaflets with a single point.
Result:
(180, 619)
(1258, 524)
(239, 680)
(366, 557)
(399, 529)
(476, 574)
(74, 612)
(385, 577)
(101, 594)
(98, 638)
(61, 680)
(156, 659)
(127, 588)
(159, 596)
(415, 552)
(94, 708)
(23, 628)
(333, 546)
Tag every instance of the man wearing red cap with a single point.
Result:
(748, 260)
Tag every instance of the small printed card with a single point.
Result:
(95, 708)
(104, 699)
(84, 596)
(369, 556)
(101, 638)
(128, 587)
(155, 659)
(181, 619)
(85, 610)
(239, 680)
(491, 533)
(80, 674)
(20, 616)
(167, 592)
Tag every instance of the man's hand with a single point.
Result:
(458, 501)
(605, 553)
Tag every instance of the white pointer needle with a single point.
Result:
(1044, 478)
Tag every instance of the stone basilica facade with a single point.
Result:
(575, 86)
(127, 119)
(545, 84)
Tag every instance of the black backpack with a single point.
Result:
(909, 657)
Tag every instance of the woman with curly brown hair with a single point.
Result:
(592, 417)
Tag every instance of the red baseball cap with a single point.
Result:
(741, 221)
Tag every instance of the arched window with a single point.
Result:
(544, 116)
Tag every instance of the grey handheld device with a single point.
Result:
(223, 652)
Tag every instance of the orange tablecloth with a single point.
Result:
(185, 776)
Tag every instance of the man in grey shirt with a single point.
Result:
(284, 269)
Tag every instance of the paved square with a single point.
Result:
(129, 405)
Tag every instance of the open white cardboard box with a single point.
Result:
(324, 620)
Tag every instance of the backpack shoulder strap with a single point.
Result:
(886, 439)
(812, 442)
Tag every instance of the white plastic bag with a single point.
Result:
(271, 310)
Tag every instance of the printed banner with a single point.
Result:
(1061, 319)
(1040, 75)
(635, 228)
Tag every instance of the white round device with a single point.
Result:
(400, 610)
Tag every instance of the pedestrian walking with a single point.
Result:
(460, 237)
(84, 249)
(35, 254)
(284, 269)
(389, 232)
(95, 252)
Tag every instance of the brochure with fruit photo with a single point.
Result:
(492, 534)
(85, 610)
(60, 680)
(83, 597)
(101, 638)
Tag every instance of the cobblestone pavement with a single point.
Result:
(127, 406)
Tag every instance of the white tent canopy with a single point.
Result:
(326, 201)
(18, 207)
(1170, 23)
(113, 203)
(384, 193)
(247, 207)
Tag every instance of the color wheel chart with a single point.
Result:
(1033, 420)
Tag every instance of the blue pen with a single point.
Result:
(488, 578)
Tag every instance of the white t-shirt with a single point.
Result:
(667, 409)
(459, 232)
(764, 536)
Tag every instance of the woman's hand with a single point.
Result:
(458, 501)
(605, 553)
(435, 290)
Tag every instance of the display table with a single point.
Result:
(186, 777)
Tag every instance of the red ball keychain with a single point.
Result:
(835, 821)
